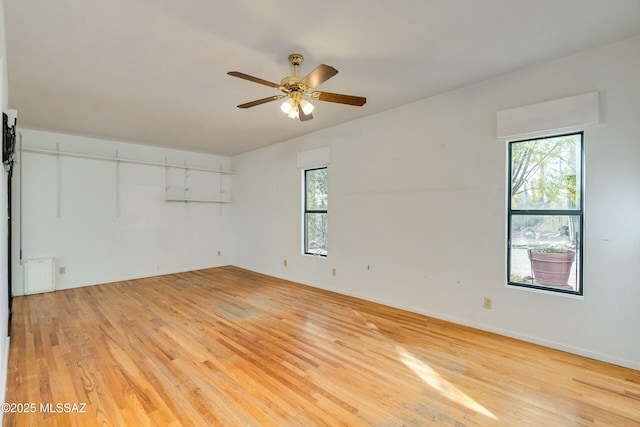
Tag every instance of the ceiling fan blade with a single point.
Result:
(261, 101)
(358, 101)
(304, 117)
(253, 79)
(319, 75)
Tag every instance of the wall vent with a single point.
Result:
(39, 275)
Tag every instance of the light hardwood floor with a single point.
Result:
(229, 347)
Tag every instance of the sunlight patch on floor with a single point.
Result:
(435, 381)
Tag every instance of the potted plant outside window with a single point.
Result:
(552, 265)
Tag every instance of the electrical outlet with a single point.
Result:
(285, 263)
(488, 303)
(62, 270)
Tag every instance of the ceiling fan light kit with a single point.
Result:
(293, 104)
(299, 90)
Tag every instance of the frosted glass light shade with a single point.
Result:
(306, 106)
(288, 106)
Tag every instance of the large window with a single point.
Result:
(315, 212)
(545, 213)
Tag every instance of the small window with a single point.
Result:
(315, 212)
(545, 213)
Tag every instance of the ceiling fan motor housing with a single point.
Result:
(291, 83)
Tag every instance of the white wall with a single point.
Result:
(105, 221)
(417, 194)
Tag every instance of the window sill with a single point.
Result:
(540, 290)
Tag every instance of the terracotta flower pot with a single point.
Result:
(551, 268)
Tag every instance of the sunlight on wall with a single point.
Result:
(435, 381)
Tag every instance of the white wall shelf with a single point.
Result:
(182, 191)
(121, 160)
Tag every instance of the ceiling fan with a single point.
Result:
(298, 90)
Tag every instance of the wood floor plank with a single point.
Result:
(227, 347)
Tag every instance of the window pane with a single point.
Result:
(545, 251)
(317, 189)
(546, 173)
(316, 226)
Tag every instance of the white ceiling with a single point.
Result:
(154, 71)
